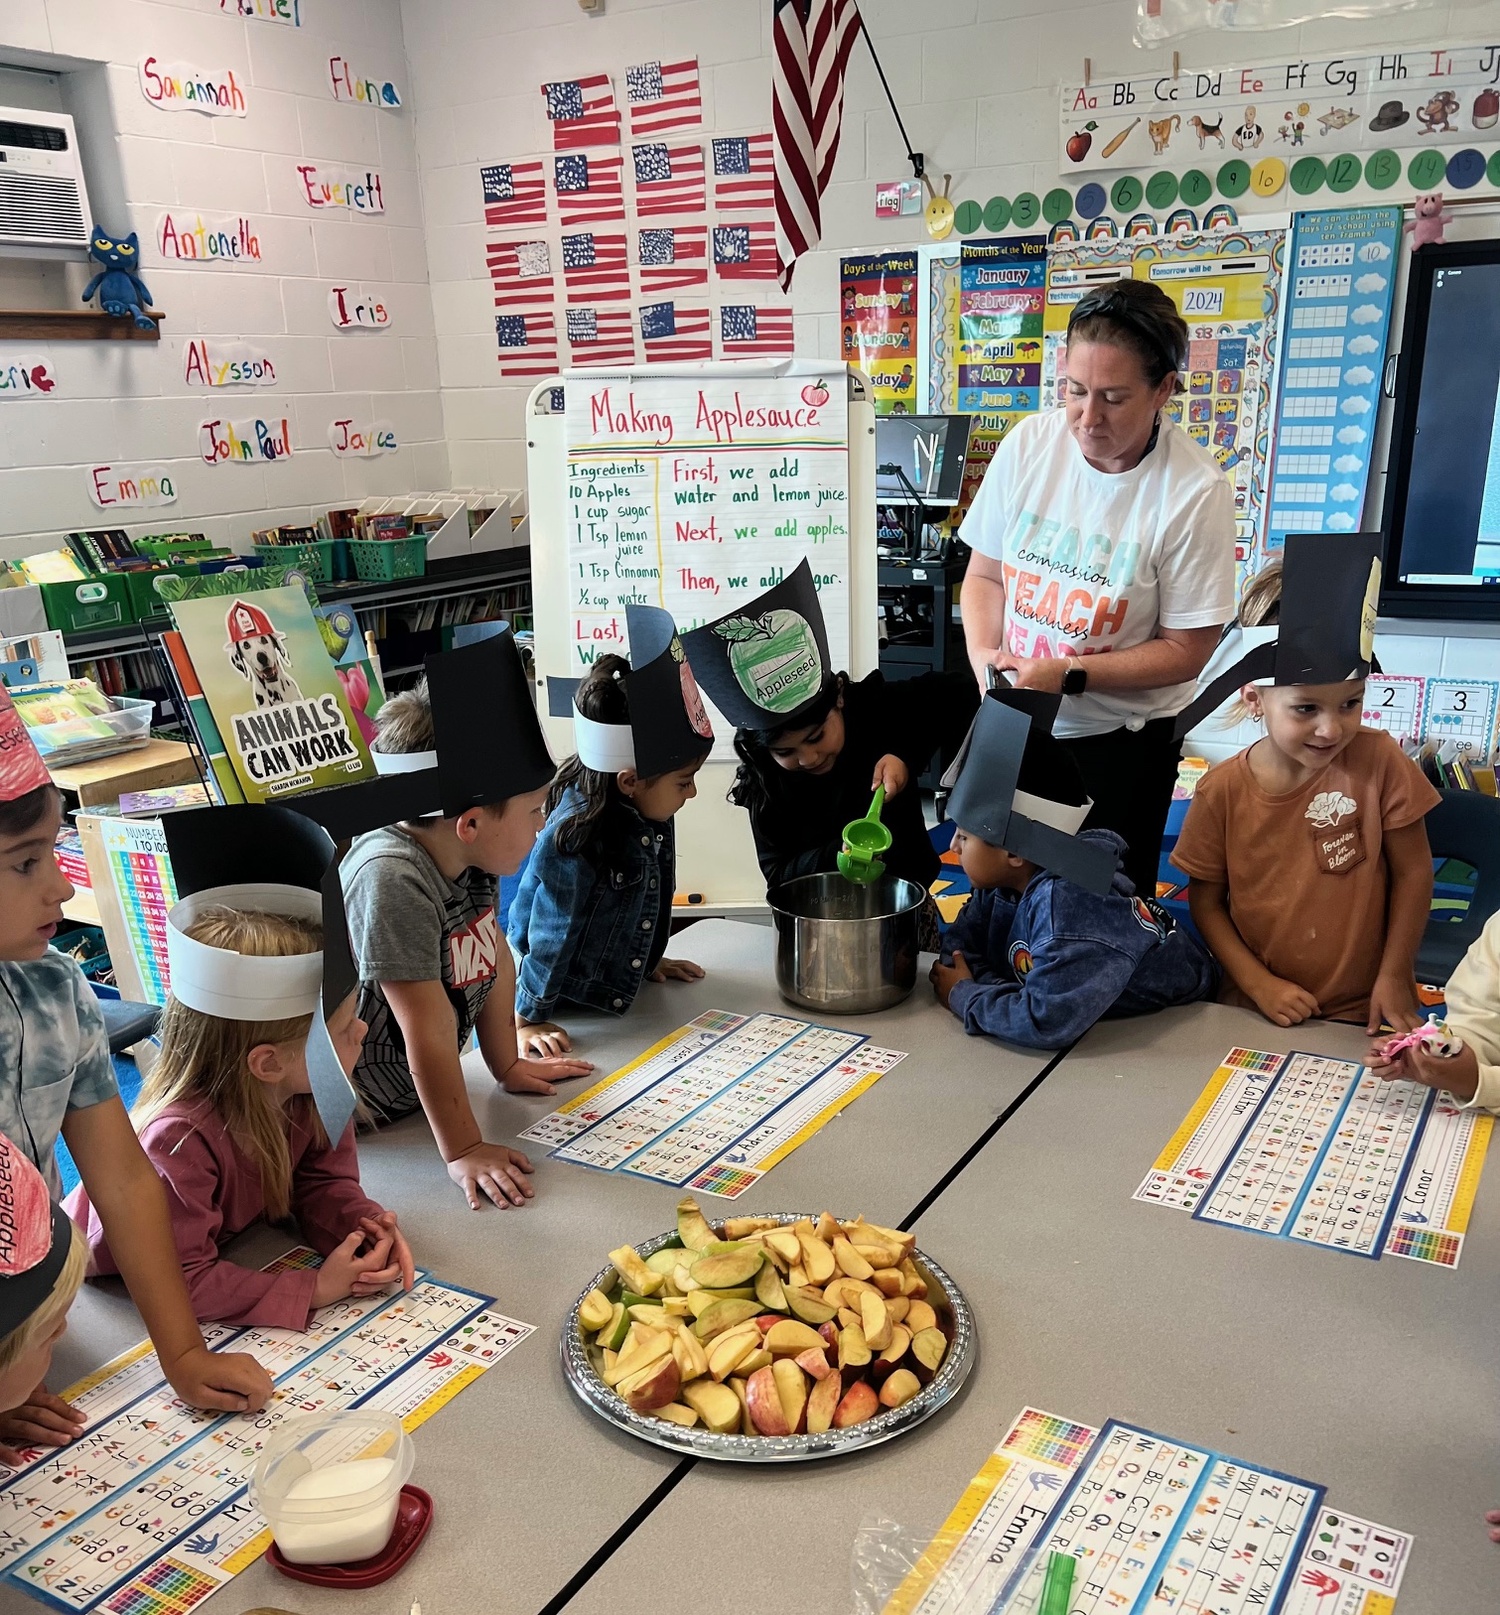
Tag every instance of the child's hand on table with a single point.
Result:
(231, 1381)
(530, 1075)
(1393, 999)
(1492, 1519)
(1458, 1073)
(945, 977)
(353, 1270)
(890, 772)
(1284, 1002)
(541, 1037)
(42, 1420)
(677, 970)
(494, 1171)
(377, 1228)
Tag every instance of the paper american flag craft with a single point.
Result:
(668, 179)
(513, 194)
(589, 189)
(745, 251)
(748, 332)
(744, 172)
(594, 267)
(671, 258)
(670, 332)
(582, 112)
(663, 96)
(521, 273)
(601, 335)
(528, 344)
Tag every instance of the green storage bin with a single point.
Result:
(314, 559)
(98, 602)
(383, 560)
(145, 600)
(180, 549)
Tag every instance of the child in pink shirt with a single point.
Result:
(228, 1121)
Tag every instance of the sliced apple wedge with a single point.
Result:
(612, 1335)
(652, 1316)
(896, 1306)
(728, 1269)
(876, 1322)
(915, 1285)
(681, 1278)
(791, 1386)
(768, 1289)
(676, 1413)
(742, 1227)
(716, 1405)
(763, 1399)
(723, 1315)
(738, 1386)
(888, 1281)
(783, 1244)
(827, 1227)
(849, 1317)
(756, 1359)
(885, 1363)
(858, 1403)
(929, 1347)
(692, 1226)
(850, 1262)
(854, 1349)
(692, 1360)
(899, 1389)
(633, 1270)
(788, 1337)
(595, 1310)
(919, 1316)
(817, 1260)
(664, 1260)
(727, 1352)
(809, 1306)
(796, 1276)
(823, 1403)
(814, 1362)
(652, 1387)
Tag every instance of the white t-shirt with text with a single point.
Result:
(1095, 562)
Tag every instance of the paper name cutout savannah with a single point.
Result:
(27, 375)
(212, 239)
(113, 487)
(226, 364)
(364, 439)
(181, 87)
(220, 442)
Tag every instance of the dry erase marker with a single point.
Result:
(1058, 1587)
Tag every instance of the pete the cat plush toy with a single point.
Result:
(120, 289)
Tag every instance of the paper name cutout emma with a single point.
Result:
(114, 487)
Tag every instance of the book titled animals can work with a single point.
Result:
(272, 689)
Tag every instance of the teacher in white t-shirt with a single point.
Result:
(1103, 564)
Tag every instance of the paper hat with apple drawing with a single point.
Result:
(764, 663)
(22, 770)
(1325, 628)
(668, 727)
(1016, 786)
(35, 1237)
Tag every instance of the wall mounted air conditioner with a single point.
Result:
(44, 207)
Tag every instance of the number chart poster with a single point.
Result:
(698, 494)
(1314, 112)
(1227, 286)
(878, 309)
(1340, 284)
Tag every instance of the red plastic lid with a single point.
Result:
(413, 1516)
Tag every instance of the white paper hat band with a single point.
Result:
(1059, 815)
(403, 762)
(237, 986)
(607, 748)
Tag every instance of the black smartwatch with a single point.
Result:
(1075, 681)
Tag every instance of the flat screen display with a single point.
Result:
(928, 451)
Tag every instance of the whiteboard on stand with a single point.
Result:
(627, 452)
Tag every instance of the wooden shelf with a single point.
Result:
(74, 324)
(159, 762)
(82, 907)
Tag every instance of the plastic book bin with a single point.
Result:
(316, 559)
(98, 602)
(383, 560)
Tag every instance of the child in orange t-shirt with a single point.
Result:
(1311, 876)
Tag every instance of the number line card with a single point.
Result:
(1319, 1150)
(147, 1512)
(1394, 702)
(1461, 713)
(1156, 1524)
(716, 1104)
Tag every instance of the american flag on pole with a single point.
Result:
(670, 332)
(514, 194)
(672, 257)
(582, 112)
(668, 179)
(663, 96)
(744, 172)
(811, 41)
(521, 272)
(601, 335)
(589, 189)
(745, 251)
(748, 332)
(594, 267)
(528, 344)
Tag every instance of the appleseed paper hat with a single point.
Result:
(1330, 586)
(21, 767)
(35, 1237)
(1011, 738)
(765, 663)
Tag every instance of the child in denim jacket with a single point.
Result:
(591, 920)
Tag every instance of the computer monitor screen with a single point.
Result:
(1443, 487)
(927, 451)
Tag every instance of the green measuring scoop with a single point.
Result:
(864, 841)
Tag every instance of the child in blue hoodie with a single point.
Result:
(1054, 937)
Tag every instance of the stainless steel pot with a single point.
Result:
(846, 948)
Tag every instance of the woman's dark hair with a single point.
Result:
(26, 812)
(1136, 315)
(601, 697)
(754, 745)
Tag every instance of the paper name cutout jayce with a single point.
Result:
(349, 438)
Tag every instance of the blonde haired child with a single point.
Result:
(1311, 876)
(227, 1119)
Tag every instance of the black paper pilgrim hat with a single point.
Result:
(1325, 632)
(1016, 786)
(668, 726)
(767, 662)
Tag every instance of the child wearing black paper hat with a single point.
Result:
(1310, 872)
(591, 920)
(1055, 936)
(433, 961)
(814, 743)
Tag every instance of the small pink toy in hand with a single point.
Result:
(1429, 221)
(1435, 1037)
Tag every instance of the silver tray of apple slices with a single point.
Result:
(835, 1372)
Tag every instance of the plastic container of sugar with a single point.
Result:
(329, 1484)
